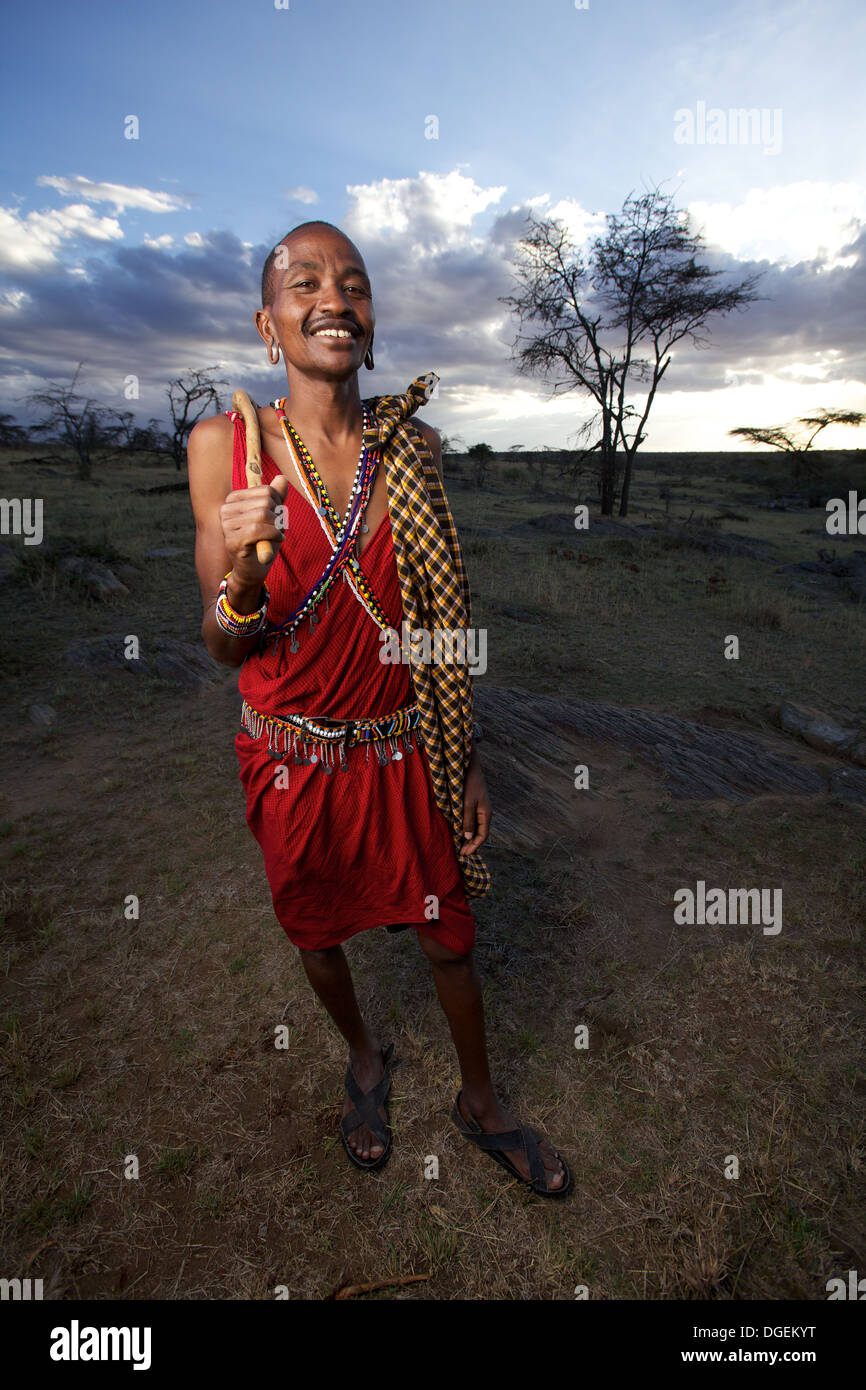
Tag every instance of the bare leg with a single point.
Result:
(328, 972)
(459, 991)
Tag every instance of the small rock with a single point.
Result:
(848, 783)
(183, 663)
(819, 731)
(44, 715)
(97, 580)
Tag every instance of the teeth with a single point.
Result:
(332, 333)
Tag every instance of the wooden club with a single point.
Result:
(248, 411)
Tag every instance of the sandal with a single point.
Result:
(366, 1112)
(521, 1138)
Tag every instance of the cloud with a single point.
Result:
(119, 194)
(808, 324)
(32, 242)
(439, 250)
(582, 226)
(302, 195)
(436, 210)
(785, 224)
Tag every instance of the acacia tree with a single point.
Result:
(142, 439)
(77, 422)
(798, 442)
(12, 436)
(199, 389)
(452, 443)
(482, 457)
(606, 322)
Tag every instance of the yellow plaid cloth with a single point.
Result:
(435, 592)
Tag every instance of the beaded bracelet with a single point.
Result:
(240, 624)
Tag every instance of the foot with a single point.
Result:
(368, 1069)
(494, 1120)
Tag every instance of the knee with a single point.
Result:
(438, 954)
(324, 957)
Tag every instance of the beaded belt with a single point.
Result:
(298, 731)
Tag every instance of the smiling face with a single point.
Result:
(322, 309)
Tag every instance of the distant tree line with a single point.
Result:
(79, 423)
(796, 439)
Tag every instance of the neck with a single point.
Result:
(324, 409)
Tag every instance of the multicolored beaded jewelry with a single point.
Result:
(300, 732)
(240, 624)
(341, 534)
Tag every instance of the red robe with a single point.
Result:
(369, 846)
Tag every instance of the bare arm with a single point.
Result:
(228, 524)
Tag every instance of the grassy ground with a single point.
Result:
(155, 1037)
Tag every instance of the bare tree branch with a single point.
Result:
(608, 322)
(196, 389)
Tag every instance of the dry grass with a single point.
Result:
(154, 1037)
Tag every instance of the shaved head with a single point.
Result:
(273, 266)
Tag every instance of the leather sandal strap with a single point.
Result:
(521, 1138)
(365, 1113)
(376, 1094)
(366, 1103)
(374, 1122)
(537, 1170)
(509, 1139)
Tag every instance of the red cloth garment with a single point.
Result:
(346, 850)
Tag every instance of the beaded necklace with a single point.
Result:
(342, 534)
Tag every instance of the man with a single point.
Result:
(318, 311)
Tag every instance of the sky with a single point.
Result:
(154, 154)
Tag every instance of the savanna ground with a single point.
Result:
(155, 1036)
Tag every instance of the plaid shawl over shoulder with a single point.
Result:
(435, 592)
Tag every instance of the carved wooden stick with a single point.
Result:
(248, 411)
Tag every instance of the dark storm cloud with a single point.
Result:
(136, 310)
(813, 307)
(155, 312)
